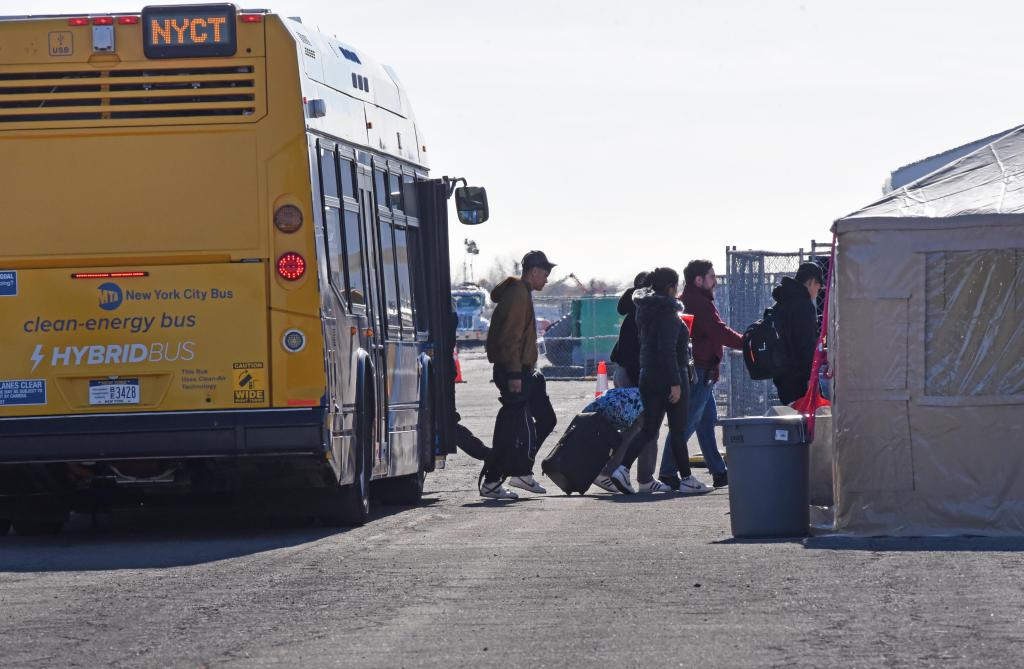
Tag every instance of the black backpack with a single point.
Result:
(763, 350)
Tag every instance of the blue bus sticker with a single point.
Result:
(8, 283)
(22, 392)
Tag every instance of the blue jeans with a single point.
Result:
(701, 418)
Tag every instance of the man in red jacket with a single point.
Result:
(710, 335)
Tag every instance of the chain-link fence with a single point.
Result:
(750, 278)
(576, 333)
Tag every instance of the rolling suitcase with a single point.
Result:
(581, 453)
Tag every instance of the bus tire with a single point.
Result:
(5, 527)
(37, 527)
(402, 490)
(349, 505)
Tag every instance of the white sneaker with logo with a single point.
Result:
(691, 486)
(605, 483)
(494, 490)
(654, 485)
(620, 479)
(527, 483)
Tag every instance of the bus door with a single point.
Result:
(436, 277)
(397, 230)
(375, 313)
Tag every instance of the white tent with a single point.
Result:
(928, 347)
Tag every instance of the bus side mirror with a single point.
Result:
(471, 204)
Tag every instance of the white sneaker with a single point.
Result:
(527, 483)
(605, 483)
(620, 479)
(654, 485)
(691, 486)
(494, 490)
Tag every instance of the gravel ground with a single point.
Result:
(546, 581)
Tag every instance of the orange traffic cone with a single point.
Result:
(602, 379)
(458, 367)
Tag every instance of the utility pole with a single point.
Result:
(468, 275)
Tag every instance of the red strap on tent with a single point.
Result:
(812, 400)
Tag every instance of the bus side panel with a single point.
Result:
(300, 377)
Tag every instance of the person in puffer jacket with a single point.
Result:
(796, 319)
(664, 378)
(626, 356)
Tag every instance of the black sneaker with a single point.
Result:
(670, 481)
(720, 480)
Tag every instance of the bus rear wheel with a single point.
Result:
(349, 506)
(5, 527)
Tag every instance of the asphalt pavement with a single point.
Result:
(546, 581)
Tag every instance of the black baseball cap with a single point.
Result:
(809, 270)
(537, 259)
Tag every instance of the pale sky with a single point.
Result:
(617, 136)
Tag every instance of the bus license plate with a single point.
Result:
(119, 391)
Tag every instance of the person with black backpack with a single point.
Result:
(796, 324)
(664, 377)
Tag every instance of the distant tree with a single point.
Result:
(564, 287)
(507, 265)
(567, 287)
(603, 287)
(502, 268)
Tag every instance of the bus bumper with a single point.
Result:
(199, 434)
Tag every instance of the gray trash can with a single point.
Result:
(821, 454)
(768, 474)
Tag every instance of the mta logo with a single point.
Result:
(110, 296)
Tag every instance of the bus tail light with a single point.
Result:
(78, 22)
(288, 218)
(103, 20)
(127, 20)
(291, 266)
(251, 18)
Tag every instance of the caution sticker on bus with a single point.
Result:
(189, 31)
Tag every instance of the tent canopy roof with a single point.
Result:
(989, 180)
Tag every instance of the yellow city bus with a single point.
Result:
(222, 268)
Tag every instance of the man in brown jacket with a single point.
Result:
(512, 349)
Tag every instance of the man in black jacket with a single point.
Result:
(796, 319)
